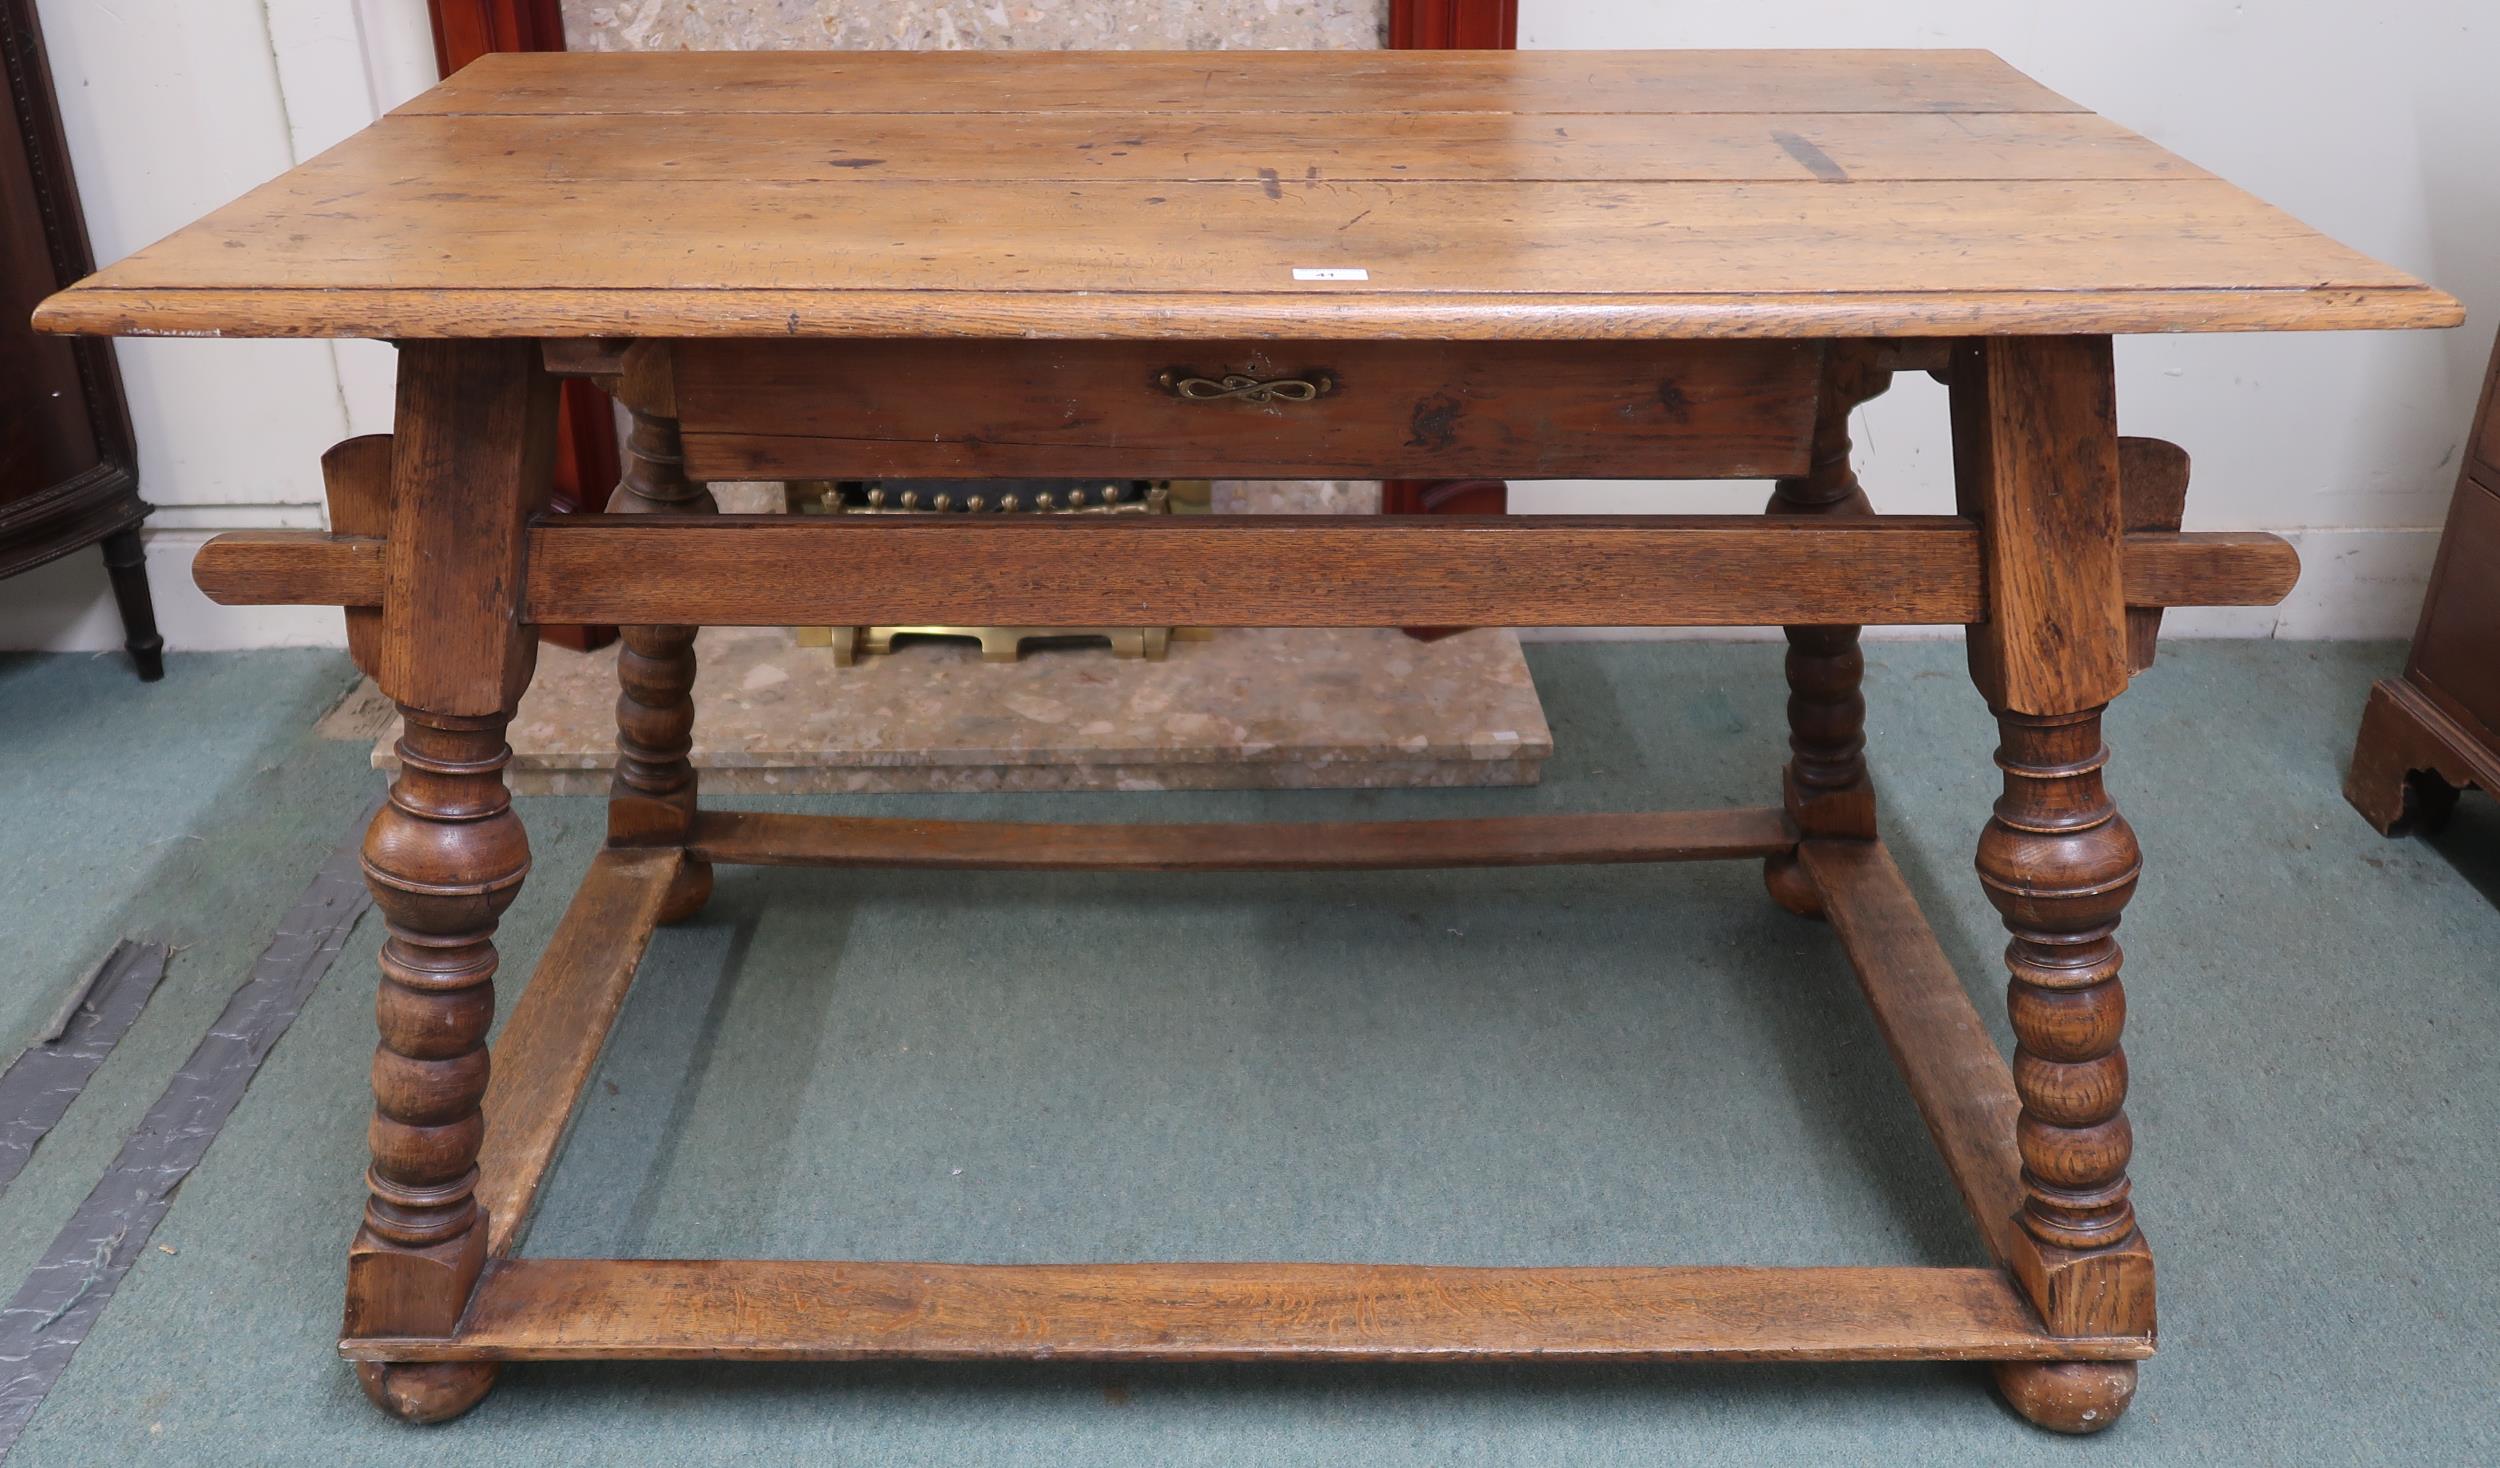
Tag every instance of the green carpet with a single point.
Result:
(1595, 1065)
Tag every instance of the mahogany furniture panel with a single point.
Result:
(1549, 241)
(2487, 440)
(2456, 658)
(2436, 730)
(69, 473)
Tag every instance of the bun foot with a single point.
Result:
(1786, 880)
(2068, 1396)
(688, 893)
(425, 1391)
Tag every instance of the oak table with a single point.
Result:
(1419, 265)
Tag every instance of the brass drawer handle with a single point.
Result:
(1238, 387)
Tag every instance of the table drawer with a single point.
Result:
(1246, 409)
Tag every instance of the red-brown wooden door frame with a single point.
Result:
(1453, 25)
(465, 30)
(587, 465)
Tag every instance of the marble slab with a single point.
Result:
(1295, 497)
(1247, 708)
(948, 25)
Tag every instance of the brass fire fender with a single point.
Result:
(1010, 497)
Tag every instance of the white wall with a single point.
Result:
(2376, 123)
(174, 107)
(2380, 124)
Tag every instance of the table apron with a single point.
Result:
(1245, 409)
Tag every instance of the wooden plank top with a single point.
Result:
(1453, 195)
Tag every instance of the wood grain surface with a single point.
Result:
(356, 482)
(1358, 83)
(1197, 147)
(1535, 410)
(2035, 463)
(1480, 195)
(547, 1050)
(1255, 571)
(471, 462)
(1943, 1049)
(701, 1309)
(310, 568)
(781, 838)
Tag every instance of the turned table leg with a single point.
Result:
(2059, 864)
(652, 798)
(446, 855)
(2036, 465)
(1825, 785)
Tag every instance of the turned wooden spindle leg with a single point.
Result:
(466, 467)
(1825, 786)
(652, 799)
(2059, 863)
(2036, 464)
(444, 857)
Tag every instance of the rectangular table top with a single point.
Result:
(1454, 195)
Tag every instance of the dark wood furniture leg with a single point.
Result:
(652, 799)
(126, 561)
(1825, 785)
(445, 855)
(2036, 463)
